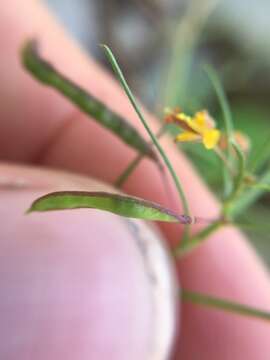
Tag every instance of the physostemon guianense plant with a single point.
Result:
(242, 187)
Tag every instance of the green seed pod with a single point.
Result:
(47, 74)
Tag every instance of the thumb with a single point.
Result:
(79, 284)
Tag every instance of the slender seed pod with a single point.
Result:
(47, 74)
(123, 205)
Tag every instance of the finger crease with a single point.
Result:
(65, 125)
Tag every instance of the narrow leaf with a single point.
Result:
(122, 178)
(122, 205)
(225, 305)
(47, 74)
(162, 153)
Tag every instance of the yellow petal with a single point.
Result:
(211, 138)
(199, 118)
(182, 118)
(200, 124)
(193, 126)
(187, 136)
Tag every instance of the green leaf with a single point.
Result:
(122, 205)
(47, 74)
(225, 305)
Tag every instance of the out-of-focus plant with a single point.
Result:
(242, 186)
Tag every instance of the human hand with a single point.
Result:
(41, 128)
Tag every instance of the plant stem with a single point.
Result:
(239, 182)
(249, 197)
(225, 305)
(134, 163)
(224, 159)
(122, 178)
(123, 82)
(227, 115)
(187, 246)
(242, 169)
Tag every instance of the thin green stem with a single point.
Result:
(224, 160)
(227, 115)
(134, 163)
(249, 196)
(241, 169)
(224, 104)
(123, 82)
(239, 181)
(122, 178)
(224, 305)
(187, 246)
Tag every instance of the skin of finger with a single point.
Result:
(219, 267)
(81, 284)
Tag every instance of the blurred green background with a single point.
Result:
(162, 46)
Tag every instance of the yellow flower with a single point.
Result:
(200, 127)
